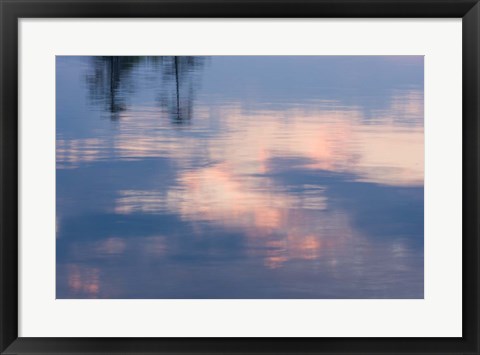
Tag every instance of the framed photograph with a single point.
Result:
(239, 177)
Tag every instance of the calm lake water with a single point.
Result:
(240, 177)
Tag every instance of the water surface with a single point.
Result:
(239, 177)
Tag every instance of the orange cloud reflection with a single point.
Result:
(331, 136)
(83, 280)
(223, 174)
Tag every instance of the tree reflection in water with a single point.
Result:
(111, 80)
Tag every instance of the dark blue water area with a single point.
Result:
(241, 177)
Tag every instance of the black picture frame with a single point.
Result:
(13, 10)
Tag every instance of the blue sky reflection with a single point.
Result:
(240, 177)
